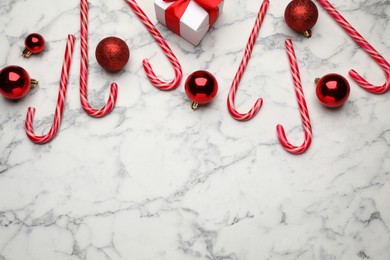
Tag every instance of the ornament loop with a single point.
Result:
(60, 102)
(162, 85)
(26, 53)
(84, 70)
(302, 107)
(307, 33)
(34, 83)
(240, 72)
(194, 105)
(366, 47)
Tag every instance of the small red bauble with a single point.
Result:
(112, 53)
(34, 43)
(332, 90)
(201, 88)
(15, 82)
(301, 16)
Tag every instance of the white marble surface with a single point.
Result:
(155, 180)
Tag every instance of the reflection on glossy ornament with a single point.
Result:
(301, 16)
(15, 82)
(332, 90)
(112, 53)
(34, 44)
(201, 88)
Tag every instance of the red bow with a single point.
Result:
(176, 10)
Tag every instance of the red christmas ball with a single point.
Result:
(112, 53)
(34, 43)
(301, 16)
(332, 90)
(201, 88)
(15, 82)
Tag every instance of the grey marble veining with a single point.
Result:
(155, 180)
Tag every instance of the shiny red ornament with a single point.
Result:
(15, 82)
(332, 90)
(34, 44)
(301, 16)
(201, 87)
(112, 53)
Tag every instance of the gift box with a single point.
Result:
(191, 19)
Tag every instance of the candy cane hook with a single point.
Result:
(366, 47)
(302, 107)
(60, 102)
(84, 70)
(162, 85)
(244, 62)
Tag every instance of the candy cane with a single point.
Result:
(244, 62)
(84, 70)
(162, 85)
(60, 102)
(366, 46)
(302, 107)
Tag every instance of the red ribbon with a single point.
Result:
(175, 11)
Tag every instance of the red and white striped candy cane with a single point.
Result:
(162, 85)
(241, 69)
(84, 70)
(41, 139)
(366, 46)
(302, 107)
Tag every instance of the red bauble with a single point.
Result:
(34, 43)
(112, 53)
(301, 16)
(201, 88)
(332, 90)
(15, 82)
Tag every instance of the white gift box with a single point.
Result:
(194, 23)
